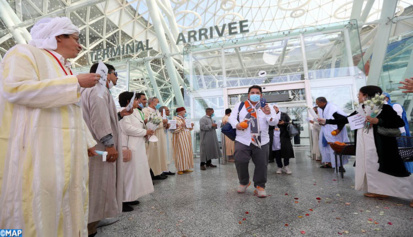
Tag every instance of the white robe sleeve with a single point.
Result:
(20, 82)
(273, 118)
(399, 109)
(233, 117)
(91, 142)
(130, 129)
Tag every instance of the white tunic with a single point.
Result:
(369, 179)
(137, 178)
(326, 152)
(43, 146)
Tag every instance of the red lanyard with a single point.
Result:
(59, 63)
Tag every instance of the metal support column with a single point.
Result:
(5, 15)
(224, 70)
(305, 65)
(409, 69)
(381, 41)
(153, 81)
(156, 20)
(348, 52)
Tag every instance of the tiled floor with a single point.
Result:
(310, 202)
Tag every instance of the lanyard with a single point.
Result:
(140, 113)
(59, 63)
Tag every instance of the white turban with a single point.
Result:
(44, 32)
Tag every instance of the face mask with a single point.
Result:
(141, 105)
(185, 115)
(157, 106)
(110, 85)
(386, 102)
(255, 98)
(212, 115)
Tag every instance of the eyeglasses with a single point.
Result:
(116, 74)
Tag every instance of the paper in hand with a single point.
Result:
(102, 70)
(172, 124)
(313, 114)
(130, 105)
(163, 114)
(188, 123)
(356, 121)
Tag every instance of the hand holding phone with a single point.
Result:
(263, 102)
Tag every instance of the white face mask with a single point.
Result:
(386, 102)
(110, 85)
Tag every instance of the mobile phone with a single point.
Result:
(263, 102)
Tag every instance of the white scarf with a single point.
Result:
(44, 32)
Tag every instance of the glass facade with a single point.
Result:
(294, 68)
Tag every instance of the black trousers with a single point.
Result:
(278, 159)
(259, 156)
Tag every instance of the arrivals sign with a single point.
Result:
(233, 28)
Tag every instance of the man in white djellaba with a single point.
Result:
(44, 141)
(327, 110)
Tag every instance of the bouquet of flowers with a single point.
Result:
(372, 108)
(153, 122)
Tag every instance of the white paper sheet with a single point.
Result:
(130, 105)
(172, 124)
(312, 113)
(356, 121)
(188, 123)
(163, 114)
(102, 70)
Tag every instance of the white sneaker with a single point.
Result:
(243, 188)
(279, 171)
(260, 192)
(286, 170)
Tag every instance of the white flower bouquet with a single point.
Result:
(153, 122)
(372, 108)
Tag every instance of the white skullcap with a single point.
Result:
(45, 30)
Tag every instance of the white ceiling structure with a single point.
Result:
(108, 23)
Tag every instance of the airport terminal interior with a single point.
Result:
(201, 54)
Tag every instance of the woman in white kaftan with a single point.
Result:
(368, 163)
(137, 178)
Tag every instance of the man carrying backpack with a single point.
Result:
(252, 140)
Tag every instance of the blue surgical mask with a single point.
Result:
(141, 105)
(255, 97)
(212, 115)
(158, 106)
(185, 115)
